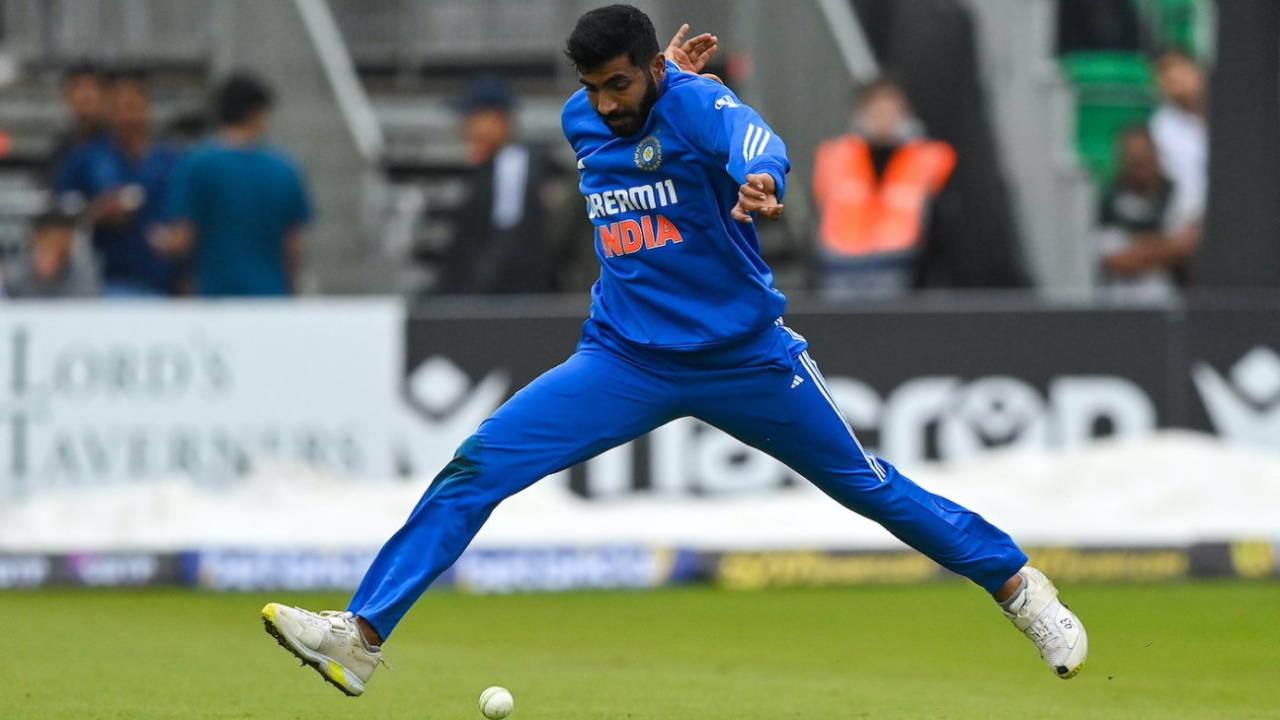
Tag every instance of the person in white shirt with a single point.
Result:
(1181, 136)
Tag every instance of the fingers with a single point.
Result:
(678, 39)
(702, 60)
(701, 48)
(768, 207)
(696, 50)
(742, 213)
(758, 186)
(712, 76)
(761, 181)
(701, 43)
(757, 195)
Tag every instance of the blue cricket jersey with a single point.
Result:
(677, 271)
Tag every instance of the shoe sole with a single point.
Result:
(332, 672)
(1074, 672)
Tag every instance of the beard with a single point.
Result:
(625, 123)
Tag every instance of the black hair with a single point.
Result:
(83, 69)
(605, 33)
(134, 76)
(883, 84)
(239, 98)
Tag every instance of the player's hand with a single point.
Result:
(692, 55)
(758, 196)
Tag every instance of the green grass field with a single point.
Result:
(1208, 650)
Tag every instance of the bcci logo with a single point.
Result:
(649, 154)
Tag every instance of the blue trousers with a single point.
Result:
(766, 391)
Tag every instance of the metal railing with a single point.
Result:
(70, 30)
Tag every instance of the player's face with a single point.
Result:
(623, 93)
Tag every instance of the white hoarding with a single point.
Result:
(127, 394)
(175, 426)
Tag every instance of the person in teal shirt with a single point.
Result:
(238, 205)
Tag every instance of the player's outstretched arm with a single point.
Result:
(757, 195)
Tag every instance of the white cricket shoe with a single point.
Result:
(328, 641)
(1056, 631)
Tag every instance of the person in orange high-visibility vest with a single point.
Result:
(874, 189)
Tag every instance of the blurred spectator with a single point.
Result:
(84, 95)
(1145, 242)
(501, 242)
(124, 178)
(52, 267)
(1179, 131)
(874, 190)
(931, 48)
(239, 205)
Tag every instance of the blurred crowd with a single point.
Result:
(1151, 215)
(886, 194)
(896, 203)
(1154, 186)
(133, 215)
(504, 233)
(893, 210)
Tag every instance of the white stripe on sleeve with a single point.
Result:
(759, 145)
(748, 141)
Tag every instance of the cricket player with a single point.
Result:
(684, 321)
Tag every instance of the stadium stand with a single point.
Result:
(366, 89)
(45, 39)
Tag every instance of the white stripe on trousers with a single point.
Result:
(818, 380)
(791, 332)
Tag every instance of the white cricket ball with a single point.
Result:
(496, 702)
